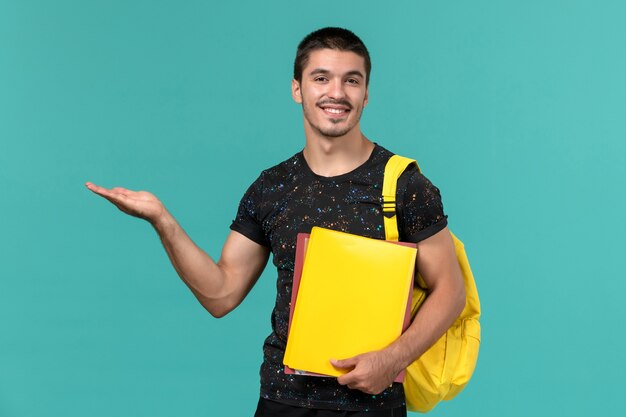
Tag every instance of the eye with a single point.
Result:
(352, 81)
(320, 79)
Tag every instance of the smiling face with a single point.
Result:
(333, 92)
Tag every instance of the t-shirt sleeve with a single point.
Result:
(248, 219)
(421, 211)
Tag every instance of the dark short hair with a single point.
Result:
(330, 38)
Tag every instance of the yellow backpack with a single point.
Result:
(444, 369)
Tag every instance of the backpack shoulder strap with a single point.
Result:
(435, 376)
(395, 167)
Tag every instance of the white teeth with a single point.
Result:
(336, 111)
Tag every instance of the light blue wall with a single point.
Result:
(516, 110)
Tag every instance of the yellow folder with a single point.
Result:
(352, 298)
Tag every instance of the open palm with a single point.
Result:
(140, 204)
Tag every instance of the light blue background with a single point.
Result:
(516, 110)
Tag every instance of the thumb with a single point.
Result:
(345, 363)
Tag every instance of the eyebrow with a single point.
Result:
(325, 71)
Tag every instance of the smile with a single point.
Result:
(335, 111)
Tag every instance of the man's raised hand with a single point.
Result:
(140, 204)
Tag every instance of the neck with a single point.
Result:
(329, 157)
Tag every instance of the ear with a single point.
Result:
(296, 92)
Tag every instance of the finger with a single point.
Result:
(123, 191)
(117, 199)
(113, 197)
(345, 363)
(114, 193)
(97, 189)
(348, 379)
(90, 185)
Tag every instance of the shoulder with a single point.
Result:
(381, 155)
(412, 177)
(414, 180)
(277, 174)
(420, 207)
(283, 171)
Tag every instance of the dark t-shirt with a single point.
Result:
(288, 199)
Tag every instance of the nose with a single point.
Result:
(336, 89)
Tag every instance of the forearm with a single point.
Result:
(220, 286)
(442, 306)
(198, 270)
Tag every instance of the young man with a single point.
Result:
(335, 182)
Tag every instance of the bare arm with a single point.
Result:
(440, 269)
(219, 287)
(372, 372)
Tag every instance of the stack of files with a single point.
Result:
(351, 295)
